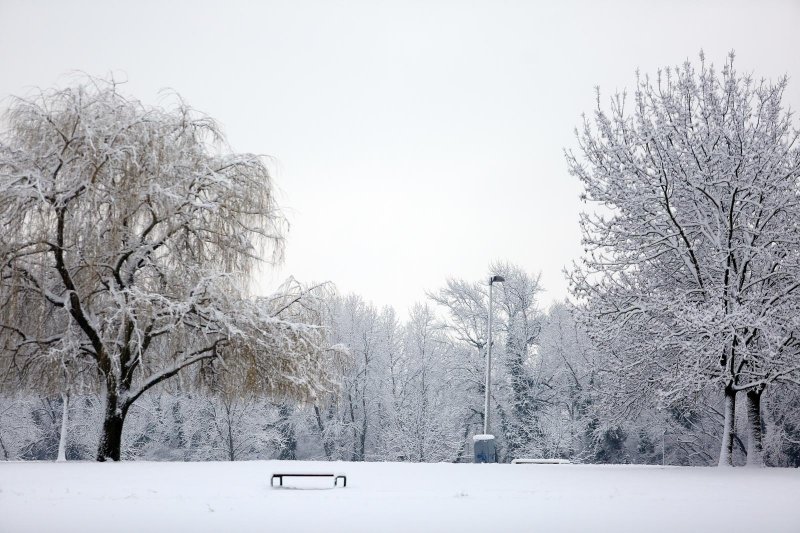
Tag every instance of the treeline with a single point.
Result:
(130, 233)
(412, 390)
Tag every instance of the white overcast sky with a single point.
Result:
(413, 140)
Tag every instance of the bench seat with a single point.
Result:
(335, 477)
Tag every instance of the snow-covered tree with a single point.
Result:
(565, 360)
(128, 235)
(527, 388)
(428, 400)
(518, 389)
(348, 422)
(465, 311)
(692, 267)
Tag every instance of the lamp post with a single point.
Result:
(492, 281)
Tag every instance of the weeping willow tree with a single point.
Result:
(129, 236)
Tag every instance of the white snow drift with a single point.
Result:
(198, 497)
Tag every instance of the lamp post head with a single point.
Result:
(496, 279)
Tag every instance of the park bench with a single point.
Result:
(335, 477)
(540, 462)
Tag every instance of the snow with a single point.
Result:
(482, 437)
(394, 497)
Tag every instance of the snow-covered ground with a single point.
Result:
(198, 497)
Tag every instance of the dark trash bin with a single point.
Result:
(485, 448)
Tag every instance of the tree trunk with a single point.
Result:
(3, 448)
(178, 439)
(463, 448)
(506, 451)
(726, 451)
(326, 446)
(289, 439)
(353, 428)
(62, 438)
(755, 450)
(111, 437)
(362, 442)
(231, 451)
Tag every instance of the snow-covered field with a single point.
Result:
(197, 497)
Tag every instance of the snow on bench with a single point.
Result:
(336, 478)
(541, 462)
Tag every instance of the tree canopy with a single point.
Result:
(129, 233)
(691, 271)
